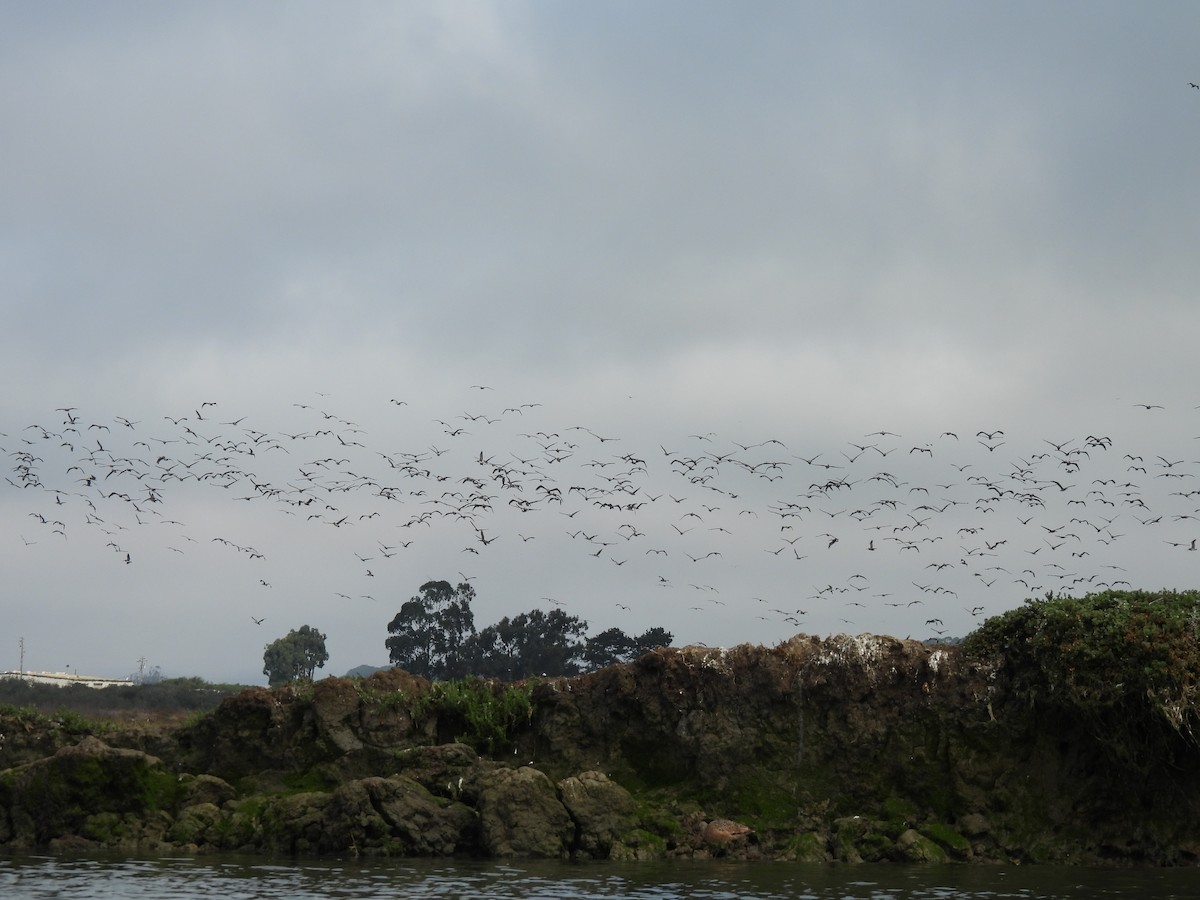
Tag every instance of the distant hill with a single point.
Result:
(364, 671)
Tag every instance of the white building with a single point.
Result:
(62, 679)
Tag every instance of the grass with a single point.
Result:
(490, 712)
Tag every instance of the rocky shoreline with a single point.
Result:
(842, 749)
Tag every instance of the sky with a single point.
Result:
(742, 320)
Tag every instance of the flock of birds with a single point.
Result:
(883, 532)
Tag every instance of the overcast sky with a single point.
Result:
(682, 229)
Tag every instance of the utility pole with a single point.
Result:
(21, 642)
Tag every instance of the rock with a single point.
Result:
(371, 816)
(849, 832)
(192, 824)
(197, 789)
(602, 810)
(939, 755)
(520, 815)
(398, 817)
(445, 770)
(974, 825)
(951, 841)
(914, 847)
(807, 847)
(247, 735)
(296, 824)
(62, 796)
(724, 831)
(334, 713)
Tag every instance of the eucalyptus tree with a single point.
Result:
(296, 656)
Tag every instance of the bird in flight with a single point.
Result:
(258, 621)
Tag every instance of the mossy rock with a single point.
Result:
(915, 847)
(655, 820)
(806, 847)
(106, 827)
(242, 827)
(763, 801)
(193, 824)
(949, 839)
(849, 833)
(74, 791)
(639, 844)
(899, 815)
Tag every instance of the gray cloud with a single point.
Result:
(776, 220)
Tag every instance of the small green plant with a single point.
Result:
(195, 718)
(77, 725)
(385, 699)
(24, 715)
(490, 711)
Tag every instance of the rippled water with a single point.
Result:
(97, 877)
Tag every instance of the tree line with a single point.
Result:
(434, 635)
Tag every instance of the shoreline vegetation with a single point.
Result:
(1064, 731)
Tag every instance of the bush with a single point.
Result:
(182, 695)
(490, 711)
(1124, 664)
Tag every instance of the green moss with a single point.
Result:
(640, 837)
(194, 823)
(920, 849)
(947, 837)
(763, 800)
(899, 814)
(876, 846)
(158, 788)
(243, 826)
(807, 846)
(848, 833)
(310, 781)
(654, 819)
(895, 807)
(106, 827)
(639, 844)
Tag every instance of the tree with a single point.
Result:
(533, 643)
(296, 656)
(651, 639)
(607, 647)
(434, 636)
(615, 646)
(428, 633)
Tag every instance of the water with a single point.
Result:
(97, 877)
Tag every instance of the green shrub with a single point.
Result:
(1125, 664)
(490, 711)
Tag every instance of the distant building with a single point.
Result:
(62, 679)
